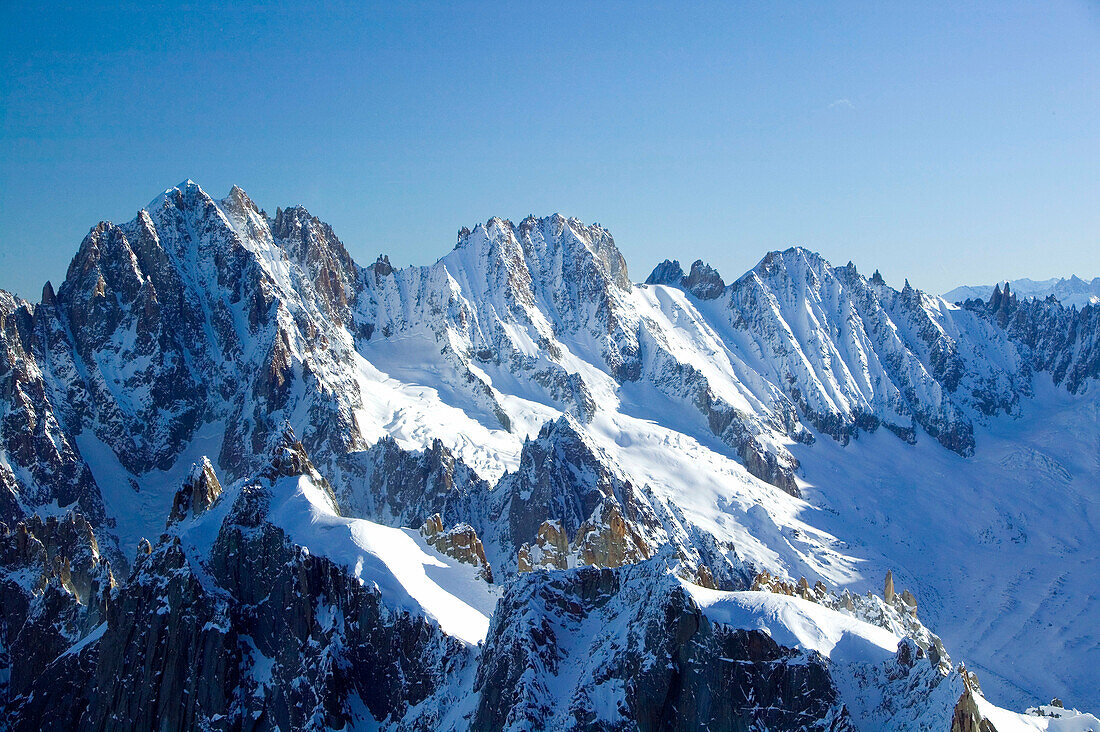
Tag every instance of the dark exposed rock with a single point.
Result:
(262, 635)
(967, 716)
(403, 488)
(667, 272)
(563, 478)
(703, 281)
(54, 589)
(676, 669)
(198, 492)
(1062, 341)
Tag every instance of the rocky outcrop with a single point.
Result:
(404, 488)
(459, 542)
(197, 493)
(967, 716)
(42, 463)
(605, 539)
(564, 647)
(567, 481)
(703, 281)
(1064, 342)
(54, 589)
(315, 246)
(550, 549)
(257, 634)
(895, 612)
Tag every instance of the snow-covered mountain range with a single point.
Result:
(1071, 292)
(248, 483)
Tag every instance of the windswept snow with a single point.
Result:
(797, 623)
(410, 575)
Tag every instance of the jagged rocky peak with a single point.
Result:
(703, 281)
(404, 487)
(187, 198)
(104, 264)
(561, 476)
(1002, 303)
(872, 356)
(567, 488)
(314, 245)
(288, 457)
(556, 235)
(1063, 341)
(382, 266)
(198, 493)
(63, 548)
(551, 249)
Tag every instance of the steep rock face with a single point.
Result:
(549, 550)
(605, 539)
(254, 632)
(404, 488)
(565, 479)
(1062, 341)
(967, 716)
(42, 463)
(137, 352)
(315, 246)
(308, 620)
(54, 589)
(668, 272)
(854, 354)
(197, 493)
(703, 281)
(628, 649)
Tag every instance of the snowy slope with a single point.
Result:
(798, 623)
(409, 573)
(803, 420)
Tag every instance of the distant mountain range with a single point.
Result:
(247, 483)
(1071, 292)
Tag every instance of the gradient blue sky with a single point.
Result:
(948, 144)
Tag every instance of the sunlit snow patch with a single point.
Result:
(410, 575)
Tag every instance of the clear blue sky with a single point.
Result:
(949, 145)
